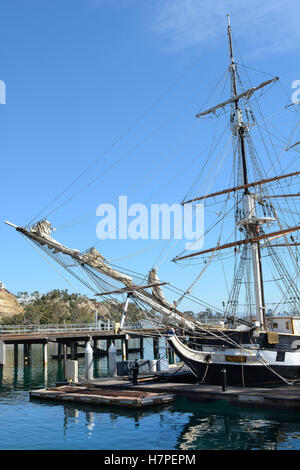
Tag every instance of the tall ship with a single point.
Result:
(257, 337)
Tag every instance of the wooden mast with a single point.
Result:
(239, 129)
(249, 220)
(253, 239)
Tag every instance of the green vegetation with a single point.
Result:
(59, 306)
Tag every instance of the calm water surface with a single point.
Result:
(39, 425)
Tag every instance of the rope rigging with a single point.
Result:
(250, 206)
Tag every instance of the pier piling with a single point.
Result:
(112, 360)
(89, 361)
(59, 351)
(27, 353)
(74, 338)
(16, 354)
(142, 347)
(74, 350)
(45, 353)
(65, 360)
(155, 348)
(171, 355)
(2, 353)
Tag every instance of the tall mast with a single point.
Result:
(249, 221)
(239, 127)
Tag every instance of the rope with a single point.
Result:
(116, 141)
(50, 264)
(205, 372)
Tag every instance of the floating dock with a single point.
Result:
(284, 397)
(164, 387)
(98, 396)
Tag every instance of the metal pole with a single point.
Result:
(124, 313)
(142, 347)
(224, 383)
(124, 355)
(65, 360)
(96, 316)
(135, 371)
(155, 348)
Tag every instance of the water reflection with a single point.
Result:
(35, 374)
(223, 426)
(94, 416)
(182, 426)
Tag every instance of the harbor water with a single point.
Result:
(37, 425)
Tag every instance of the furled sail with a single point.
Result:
(157, 290)
(156, 301)
(178, 317)
(97, 261)
(40, 233)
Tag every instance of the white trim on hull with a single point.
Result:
(250, 358)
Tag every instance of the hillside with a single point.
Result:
(59, 306)
(8, 304)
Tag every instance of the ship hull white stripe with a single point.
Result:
(256, 357)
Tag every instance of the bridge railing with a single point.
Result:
(61, 327)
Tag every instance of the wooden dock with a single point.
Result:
(284, 397)
(99, 396)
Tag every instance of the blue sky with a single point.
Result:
(78, 74)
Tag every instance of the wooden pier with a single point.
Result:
(283, 397)
(96, 396)
(68, 342)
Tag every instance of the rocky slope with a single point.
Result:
(8, 304)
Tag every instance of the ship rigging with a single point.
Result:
(261, 347)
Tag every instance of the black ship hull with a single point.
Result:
(265, 364)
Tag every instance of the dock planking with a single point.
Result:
(281, 397)
(284, 397)
(100, 396)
